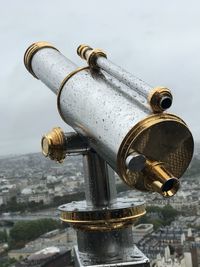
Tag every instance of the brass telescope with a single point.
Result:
(120, 124)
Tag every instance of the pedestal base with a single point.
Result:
(131, 257)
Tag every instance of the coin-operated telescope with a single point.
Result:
(119, 124)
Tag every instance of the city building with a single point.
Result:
(48, 257)
(141, 230)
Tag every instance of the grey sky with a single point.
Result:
(158, 41)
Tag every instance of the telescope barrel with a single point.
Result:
(125, 133)
(88, 100)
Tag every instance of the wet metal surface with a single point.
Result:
(95, 107)
(136, 84)
(121, 203)
(131, 257)
(100, 186)
(51, 67)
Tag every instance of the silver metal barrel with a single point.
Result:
(94, 107)
(92, 103)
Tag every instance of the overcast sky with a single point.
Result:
(158, 41)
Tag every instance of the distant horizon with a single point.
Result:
(196, 144)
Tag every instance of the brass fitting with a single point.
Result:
(166, 142)
(160, 179)
(30, 52)
(160, 99)
(90, 55)
(53, 145)
(116, 217)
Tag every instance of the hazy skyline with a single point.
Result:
(158, 41)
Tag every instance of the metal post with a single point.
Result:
(100, 187)
(104, 247)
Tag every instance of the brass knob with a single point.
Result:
(53, 145)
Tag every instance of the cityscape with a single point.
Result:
(32, 187)
(122, 79)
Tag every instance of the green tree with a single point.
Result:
(169, 213)
(25, 231)
(159, 216)
(7, 262)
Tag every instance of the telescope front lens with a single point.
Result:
(165, 102)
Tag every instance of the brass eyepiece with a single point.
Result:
(160, 179)
(160, 99)
(30, 52)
